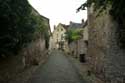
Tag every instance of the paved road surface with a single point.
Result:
(58, 69)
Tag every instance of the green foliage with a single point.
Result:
(19, 24)
(73, 35)
(14, 21)
(117, 10)
(83, 7)
(98, 4)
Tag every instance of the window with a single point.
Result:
(61, 29)
(57, 29)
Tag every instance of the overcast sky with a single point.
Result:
(59, 11)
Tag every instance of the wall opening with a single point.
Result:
(121, 35)
(82, 58)
(86, 42)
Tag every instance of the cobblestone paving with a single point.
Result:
(58, 69)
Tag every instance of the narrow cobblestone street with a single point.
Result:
(58, 69)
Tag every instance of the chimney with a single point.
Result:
(71, 22)
(54, 27)
(83, 21)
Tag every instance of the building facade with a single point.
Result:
(78, 48)
(58, 38)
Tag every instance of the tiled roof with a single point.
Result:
(75, 25)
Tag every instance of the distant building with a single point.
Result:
(58, 40)
(74, 25)
(79, 47)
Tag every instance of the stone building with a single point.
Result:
(106, 56)
(78, 48)
(58, 40)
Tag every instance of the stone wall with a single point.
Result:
(23, 39)
(107, 59)
(34, 52)
(85, 33)
(78, 48)
(12, 66)
(73, 48)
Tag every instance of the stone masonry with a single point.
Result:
(106, 58)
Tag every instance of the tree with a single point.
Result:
(73, 35)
